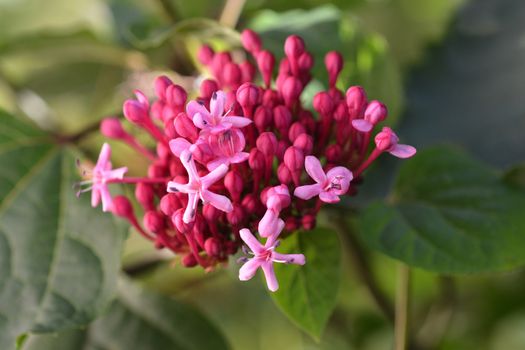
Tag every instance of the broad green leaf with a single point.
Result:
(59, 258)
(515, 176)
(470, 92)
(450, 214)
(367, 60)
(139, 320)
(308, 294)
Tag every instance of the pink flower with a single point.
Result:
(99, 176)
(197, 188)
(228, 148)
(387, 140)
(277, 198)
(329, 186)
(214, 121)
(375, 113)
(264, 256)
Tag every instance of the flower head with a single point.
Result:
(99, 177)
(328, 186)
(197, 188)
(265, 255)
(387, 141)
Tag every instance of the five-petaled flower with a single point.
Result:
(197, 188)
(265, 255)
(329, 186)
(99, 177)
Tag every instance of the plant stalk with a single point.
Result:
(402, 308)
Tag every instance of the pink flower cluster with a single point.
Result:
(243, 157)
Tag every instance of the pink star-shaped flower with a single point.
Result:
(329, 186)
(197, 188)
(387, 141)
(214, 121)
(265, 255)
(99, 177)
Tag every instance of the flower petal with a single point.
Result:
(174, 187)
(342, 176)
(217, 200)
(308, 191)
(103, 157)
(403, 151)
(214, 176)
(329, 197)
(201, 121)
(239, 157)
(95, 195)
(251, 241)
(268, 224)
(362, 125)
(191, 208)
(298, 259)
(314, 169)
(178, 145)
(107, 201)
(248, 270)
(187, 160)
(237, 122)
(217, 104)
(193, 107)
(214, 164)
(116, 173)
(269, 274)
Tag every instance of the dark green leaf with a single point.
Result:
(450, 214)
(471, 91)
(139, 320)
(308, 294)
(59, 258)
(516, 176)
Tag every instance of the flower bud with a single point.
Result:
(256, 160)
(334, 153)
(247, 71)
(291, 90)
(112, 128)
(263, 118)
(305, 143)
(161, 85)
(189, 260)
(291, 224)
(308, 222)
(212, 246)
(251, 204)
(163, 151)
(205, 55)
(231, 74)
(251, 41)
(169, 129)
(179, 223)
(323, 103)
(234, 184)
(157, 170)
(293, 47)
(270, 98)
(153, 221)
(282, 118)
(207, 88)
(294, 158)
(176, 95)
(267, 143)
(334, 64)
(375, 112)
(308, 121)
(340, 112)
(122, 207)
(169, 203)
(282, 145)
(210, 213)
(185, 128)
(135, 112)
(145, 195)
(306, 61)
(386, 139)
(266, 63)
(284, 174)
(356, 101)
(236, 216)
(296, 129)
(248, 95)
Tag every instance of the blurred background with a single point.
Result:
(451, 71)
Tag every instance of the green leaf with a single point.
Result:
(470, 92)
(139, 320)
(59, 258)
(308, 294)
(450, 214)
(515, 176)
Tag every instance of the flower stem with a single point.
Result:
(402, 308)
(231, 12)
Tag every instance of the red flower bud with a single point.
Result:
(263, 118)
(386, 139)
(112, 128)
(291, 90)
(334, 64)
(375, 112)
(145, 195)
(157, 170)
(266, 63)
(267, 143)
(323, 103)
(135, 112)
(169, 203)
(122, 207)
(284, 174)
(296, 129)
(251, 204)
(180, 225)
(153, 221)
(169, 128)
(176, 95)
(236, 216)
(306, 61)
(185, 128)
(234, 184)
(251, 41)
(282, 117)
(293, 47)
(247, 71)
(248, 95)
(291, 224)
(294, 158)
(308, 222)
(189, 260)
(231, 74)
(212, 246)
(334, 153)
(210, 213)
(305, 143)
(205, 55)
(356, 101)
(340, 112)
(207, 88)
(256, 160)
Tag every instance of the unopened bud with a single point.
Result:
(323, 103)
(112, 128)
(334, 64)
(375, 112)
(145, 195)
(247, 71)
(169, 203)
(263, 118)
(153, 221)
(284, 174)
(305, 143)
(308, 222)
(189, 260)
(293, 47)
(266, 63)
(334, 153)
(210, 213)
(212, 246)
(231, 74)
(386, 139)
(205, 55)
(282, 117)
(267, 143)
(236, 216)
(296, 129)
(185, 127)
(122, 207)
(248, 95)
(179, 223)
(306, 61)
(340, 112)
(251, 204)
(256, 160)
(291, 224)
(234, 184)
(251, 41)
(135, 112)
(356, 101)
(294, 158)
(176, 95)
(291, 90)
(161, 84)
(208, 87)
